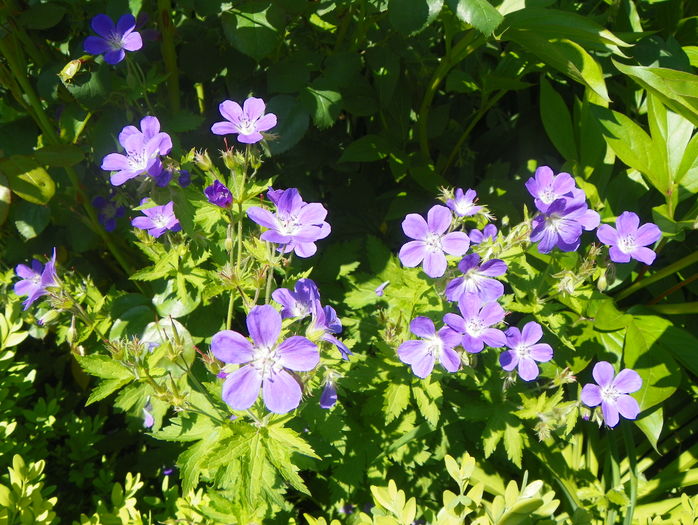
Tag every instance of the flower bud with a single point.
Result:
(71, 69)
(203, 161)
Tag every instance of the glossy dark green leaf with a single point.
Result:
(478, 13)
(30, 219)
(250, 33)
(557, 121)
(28, 179)
(411, 16)
(5, 198)
(59, 155)
(366, 149)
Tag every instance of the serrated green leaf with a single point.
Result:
(395, 399)
(104, 367)
(323, 105)
(107, 387)
(513, 442)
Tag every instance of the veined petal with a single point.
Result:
(528, 369)
(264, 325)
(532, 333)
(627, 223)
(544, 176)
(115, 162)
(493, 268)
(275, 237)
(412, 253)
(95, 45)
(241, 388)
(450, 337)
(472, 344)
(281, 392)
(450, 359)
(231, 347)
(627, 381)
(250, 138)
(591, 395)
(490, 289)
(603, 373)
(563, 183)
(513, 335)
(455, 243)
(253, 108)
(610, 413)
(469, 305)
(305, 249)
(267, 122)
(455, 322)
(647, 234)
(508, 360)
(231, 111)
(644, 255)
(422, 327)
(150, 126)
(412, 350)
(619, 256)
(415, 227)
(115, 56)
(439, 219)
(492, 313)
(607, 235)
(224, 128)
(312, 213)
(423, 366)
(494, 337)
(627, 406)
(262, 217)
(118, 178)
(299, 353)
(102, 25)
(435, 264)
(542, 352)
(125, 24)
(132, 41)
(470, 261)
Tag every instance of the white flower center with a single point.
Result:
(463, 207)
(548, 195)
(433, 242)
(522, 350)
(609, 394)
(138, 161)
(474, 326)
(552, 221)
(626, 243)
(36, 278)
(161, 221)
(247, 126)
(288, 225)
(434, 346)
(115, 41)
(299, 309)
(266, 361)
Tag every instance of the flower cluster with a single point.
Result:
(295, 226)
(267, 362)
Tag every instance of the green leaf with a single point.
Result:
(366, 149)
(30, 219)
(412, 16)
(28, 179)
(513, 442)
(633, 146)
(678, 90)
(557, 121)
(107, 387)
(566, 56)
(478, 13)
(395, 399)
(104, 367)
(42, 16)
(250, 33)
(687, 172)
(323, 105)
(59, 155)
(293, 121)
(555, 23)
(5, 198)
(651, 425)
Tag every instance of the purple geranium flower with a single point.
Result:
(562, 223)
(525, 351)
(612, 392)
(476, 278)
(219, 194)
(300, 302)
(158, 220)
(431, 241)
(113, 39)
(109, 211)
(184, 178)
(380, 289)
(325, 323)
(143, 150)
(475, 323)
(463, 204)
(328, 398)
(488, 232)
(421, 354)
(546, 188)
(247, 121)
(629, 239)
(36, 279)
(267, 361)
(296, 226)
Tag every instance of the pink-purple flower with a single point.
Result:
(267, 362)
(219, 194)
(562, 223)
(612, 391)
(629, 239)
(463, 204)
(298, 303)
(143, 149)
(109, 211)
(421, 354)
(35, 280)
(477, 278)
(247, 121)
(525, 351)
(328, 398)
(546, 187)
(475, 323)
(325, 323)
(158, 220)
(113, 40)
(431, 241)
(488, 232)
(295, 226)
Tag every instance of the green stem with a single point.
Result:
(469, 43)
(661, 274)
(630, 452)
(169, 54)
(200, 97)
(231, 256)
(673, 289)
(615, 475)
(676, 309)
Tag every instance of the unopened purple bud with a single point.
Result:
(329, 396)
(163, 179)
(381, 288)
(184, 178)
(218, 194)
